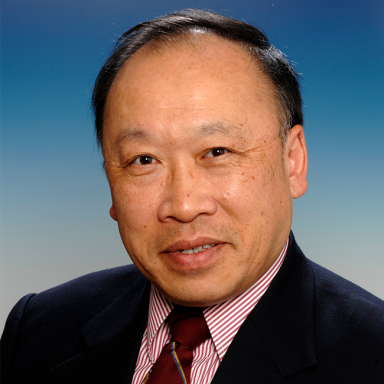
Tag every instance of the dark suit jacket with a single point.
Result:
(311, 326)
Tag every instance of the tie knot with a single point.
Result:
(188, 326)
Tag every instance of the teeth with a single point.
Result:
(191, 251)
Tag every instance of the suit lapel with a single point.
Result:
(112, 341)
(277, 338)
(247, 360)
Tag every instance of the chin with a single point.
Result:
(197, 297)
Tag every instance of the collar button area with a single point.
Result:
(188, 326)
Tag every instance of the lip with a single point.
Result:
(188, 244)
(187, 263)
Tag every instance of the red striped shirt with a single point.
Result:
(224, 320)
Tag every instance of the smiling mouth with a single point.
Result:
(199, 249)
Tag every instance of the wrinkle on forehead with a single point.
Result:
(206, 129)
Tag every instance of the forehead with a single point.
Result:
(195, 77)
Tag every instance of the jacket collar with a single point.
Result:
(277, 339)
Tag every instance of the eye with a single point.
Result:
(216, 152)
(144, 160)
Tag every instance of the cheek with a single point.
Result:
(135, 207)
(254, 193)
(244, 189)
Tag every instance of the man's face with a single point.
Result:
(199, 178)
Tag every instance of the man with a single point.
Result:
(200, 124)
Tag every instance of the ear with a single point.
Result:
(112, 212)
(296, 152)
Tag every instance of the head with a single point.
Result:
(199, 120)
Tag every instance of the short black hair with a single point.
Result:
(273, 62)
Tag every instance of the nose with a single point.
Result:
(187, 196)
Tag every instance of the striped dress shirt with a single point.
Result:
(223, 320)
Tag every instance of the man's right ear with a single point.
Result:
(112, 212)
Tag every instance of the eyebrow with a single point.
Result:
(216, 128)
(130, 134)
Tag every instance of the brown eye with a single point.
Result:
(144, 160)
(216, 152)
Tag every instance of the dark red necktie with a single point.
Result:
(188, 330)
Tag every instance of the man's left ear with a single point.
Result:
(296, 150)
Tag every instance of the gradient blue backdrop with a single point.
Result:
(55, 198)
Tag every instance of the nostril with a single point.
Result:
(185, 208)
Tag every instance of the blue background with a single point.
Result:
(54, 195)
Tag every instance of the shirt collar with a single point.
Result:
(159, 309)
(224, 319)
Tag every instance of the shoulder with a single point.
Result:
(83, 297)
(340, 305)
(343, 322)
(47, 326)
(349, 323)
(333, 289)
(104, 285)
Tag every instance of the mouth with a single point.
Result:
(189, 247)
(198, 249)
(193, 255)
